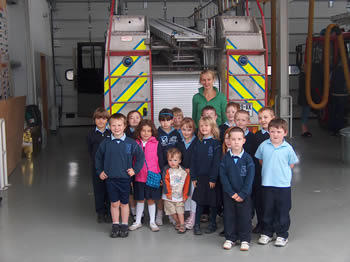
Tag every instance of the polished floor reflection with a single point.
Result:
(47, 212)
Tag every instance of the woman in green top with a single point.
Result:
(209, 95)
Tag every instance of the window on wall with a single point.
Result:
(92, 57)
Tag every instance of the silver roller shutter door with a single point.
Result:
(175, 90)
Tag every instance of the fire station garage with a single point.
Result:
(110, 113)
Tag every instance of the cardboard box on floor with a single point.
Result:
(13, 110)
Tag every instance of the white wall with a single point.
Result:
(30, 36)
(20, 51)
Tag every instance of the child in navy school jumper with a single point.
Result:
(210, 111)
(175, 189)
(168, 137)
(237, 174)
(114, 164)
(242, 119)
(204, 171)
(277, 158)
(94, 138)
(265, 115)
(189, 141)
(146, 134)
(133, 119)
(231, 110)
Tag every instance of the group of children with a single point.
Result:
(201, 170)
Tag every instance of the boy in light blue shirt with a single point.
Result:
(277, 158)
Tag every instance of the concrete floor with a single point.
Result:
(47, 213)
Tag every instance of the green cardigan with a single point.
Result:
(219, 102)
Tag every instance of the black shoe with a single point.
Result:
(210, 229)
(100, 218)
(108, 218)
(257, 229)
(222, 233)
(124, 231)
(197, 230)
(306, 134)
(115, 231)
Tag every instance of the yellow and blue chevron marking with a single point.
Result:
(249, 68)
(244, 92)
(142, 106)
(129, 92)
(121, 70)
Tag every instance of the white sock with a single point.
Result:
(159, 213)
(139, 210)
(133, 211)
(152, 213)
(193, 206)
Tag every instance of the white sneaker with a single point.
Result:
(135, 226)
(281, 242)
(244, 246)
(159, 220)
(228, 244)
(264, 240)
(154, 227)
(172, 220)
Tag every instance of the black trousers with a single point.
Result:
(277, 204)
(102, 203)
(257, 200)
(237, 219)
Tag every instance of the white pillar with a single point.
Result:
(284, 109)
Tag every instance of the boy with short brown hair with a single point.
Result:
(93, 139)
(117, 160)
(277, 158)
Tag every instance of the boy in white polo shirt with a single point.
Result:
(277, 158)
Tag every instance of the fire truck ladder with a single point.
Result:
(123, 101)
(249, 70)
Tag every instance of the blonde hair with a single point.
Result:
(177, 111)
(214, 128)
(187, 121)
(207, 71)
(243, 112)
(268, 109)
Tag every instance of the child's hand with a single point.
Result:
(239, 199)
(211, 184)
(235, 196)
(194, 183)
(130, 172)
(103, 175)
(187, 170)
(161, 183)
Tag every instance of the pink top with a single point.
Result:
(151, 156)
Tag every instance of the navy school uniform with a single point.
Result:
(115, 157)
(93, 139)
(187, 151)
(167, 141)
(237, 174)
(205, 162)
(250, 143)
(260, 137)
(222, 129)
(130, 132)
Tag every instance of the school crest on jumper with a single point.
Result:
(210, 151)
(243, 170)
